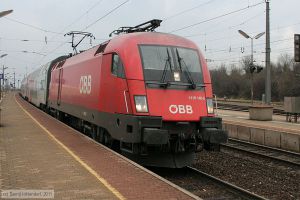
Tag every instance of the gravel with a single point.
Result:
(263, 177)
(197, 184)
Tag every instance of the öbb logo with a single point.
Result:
(181, 109)
(85, 85)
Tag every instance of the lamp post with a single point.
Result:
(3, 68)
(3, 55)
(14, 80)
(2, 14)
(268, 52)
(252, 68)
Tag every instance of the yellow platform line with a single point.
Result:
(87, 167)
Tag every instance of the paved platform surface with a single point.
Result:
(278, 122)
(31, 160)
(39, 152)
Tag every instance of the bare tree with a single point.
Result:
(285, 63)
(246, 63)
(285, 76)
(234, 81)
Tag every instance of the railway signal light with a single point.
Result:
(259, 69)
(252, 69)
(297, 47)
(255, 68)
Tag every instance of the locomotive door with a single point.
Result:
(115, 94)
(60, 73)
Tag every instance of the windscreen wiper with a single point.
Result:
(185, 84)
(186, 71)
(168, 61)
(166, 84)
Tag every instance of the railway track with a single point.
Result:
(280, 155)
(218, 189)
(242, 193)
(204, 185)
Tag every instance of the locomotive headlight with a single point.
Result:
(141, 104)
(210, 106)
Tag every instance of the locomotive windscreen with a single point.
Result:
(171, 65)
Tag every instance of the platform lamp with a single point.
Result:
(252, 67)
(6, 12)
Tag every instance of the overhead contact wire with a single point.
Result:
(111, 11)
(217, 17)
(187, 10)
(32, 26)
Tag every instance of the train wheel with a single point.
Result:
(93, 132)
(99, 135)
(102, 136)
(57, 115)
(60, 116)
(107, 140)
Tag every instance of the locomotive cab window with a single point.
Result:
(117, 68)
(171, 65)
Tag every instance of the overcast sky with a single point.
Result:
(212, 24)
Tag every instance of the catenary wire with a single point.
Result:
(217, 17)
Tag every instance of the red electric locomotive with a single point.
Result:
(145, 93)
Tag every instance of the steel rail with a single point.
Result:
(237, 190)
(263, 147)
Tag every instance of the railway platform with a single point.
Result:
(276, 133)
(37, 152)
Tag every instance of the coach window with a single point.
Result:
(42, 84)
(117, 68)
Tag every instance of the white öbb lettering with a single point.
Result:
(181, 109)
(85, 85)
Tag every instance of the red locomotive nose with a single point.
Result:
(177, 105)
(174, 82)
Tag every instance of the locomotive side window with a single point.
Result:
(117, 68)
